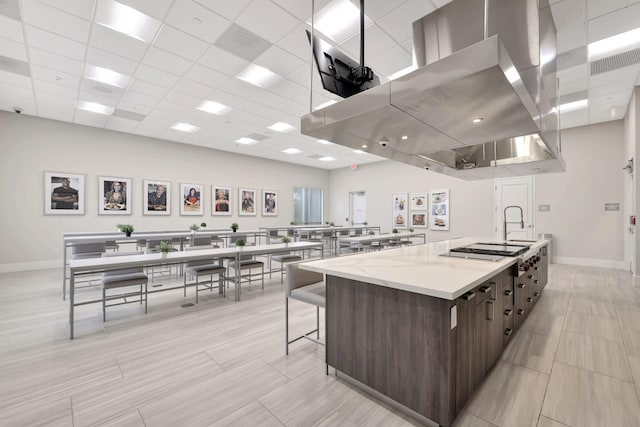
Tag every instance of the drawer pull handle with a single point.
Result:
(508, 292)
(530, 276)
(536, 268)
(469, 296)
(529, 299)
(536, 294)
(508, 332)
(508, 312)
(485, 289)
(536, 281)
(522, 285)
(521, 311)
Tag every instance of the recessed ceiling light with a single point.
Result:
(126, 20)
(358, 151)
(326, 104)
(364, 146)
(404, 137)
(292, 151)
(478, 119)
(326, 159)
(281, 127)
(246, 141)
(213, 107)
(185, 127)
(324, 141)
(259, 76)
(571, 106)
(339, 20)
(614, 44)
(106, 76)
(402, 72)
(94, 107)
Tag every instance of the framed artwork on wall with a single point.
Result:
(114, 196)
(269, 203)
(63, 193)
(419, 219)
(439, 210)
(246, 201)
(191, 199)
(221, 197)
(400, 209)
(157, 197)
(418, 202)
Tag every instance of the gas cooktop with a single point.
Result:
(499, 249)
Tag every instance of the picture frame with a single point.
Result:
(221, 200)
(439, 202)
(63, 193)
(114, 195)
(269, 203)
(419, 219)
(419, 202)
(191, 199)
(247, 201)
(156, 197)
(400, 210)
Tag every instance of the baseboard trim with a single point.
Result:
(590, 262)
(29, 266)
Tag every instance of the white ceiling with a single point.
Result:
(183, 66)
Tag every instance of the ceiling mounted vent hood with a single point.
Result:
(482, 103)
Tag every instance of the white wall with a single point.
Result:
(31, 145)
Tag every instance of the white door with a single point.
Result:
(358, 207)
(629, 230)
(516, 195)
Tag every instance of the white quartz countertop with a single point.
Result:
(421, 268)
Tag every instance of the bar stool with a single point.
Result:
(121, 278)
(205, 267)
(283, 259)
(247, 262)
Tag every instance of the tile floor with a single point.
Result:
(576, 361)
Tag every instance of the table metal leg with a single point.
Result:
(71, 303)
(238, 276)
(64, 270)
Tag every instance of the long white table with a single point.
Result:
(98, 265)
(358, 241)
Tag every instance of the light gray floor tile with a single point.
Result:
(594, 326)
(253, 414)
(295, 364)
(510, 396)
(634, 362)
(631, 341)
(594, 354)
(544, 323)
(551, 302)
(467, 419)
(591, 306)
(531, 350)
(548, 422)
(131, 419)
(578, 397)
(629, 319)
(46, 412)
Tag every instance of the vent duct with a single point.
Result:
(615, 62)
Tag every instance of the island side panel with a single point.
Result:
(396, 342)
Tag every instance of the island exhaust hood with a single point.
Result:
(482, 103)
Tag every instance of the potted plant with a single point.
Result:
(326, 223)
(371, 232)
(235, 227)
(194, 228)
(394, 231)
(286, 240)
(164, 248)
(411, 230)
(127, 229)
(365, 223)
(203, 225)
(292, 223)
(332, 224)
(240, 243)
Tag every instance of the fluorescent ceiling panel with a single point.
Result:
(281, 127)
(246, 141)
(185, 127)
(259, 76)
(324, 141)
(94, 107)
(292, 151)
(572, 106)
(401, 72)
(614, 44)
(326, 159)
(326, 104)
(358, 151)
(126, 20)
(339, 20)
(105, 75)
(213, 107)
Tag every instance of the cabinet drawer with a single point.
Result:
(485, 291)
(507, 294)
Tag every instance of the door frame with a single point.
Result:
(497, 213)
(351, 193)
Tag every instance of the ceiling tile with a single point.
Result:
(376, 9)
(54, 43)
(113, 62)
(80, 8)
(55, 76)
(166, 61)
(207, 76)
(118, 43)
(156, 76)
(182, 99)
(172, 106)
(390, 61)
(376, 42)
(11, 29)
(17, 80)
(242, 42)
(193, 88)
(139, 98)
(180, 43)
(107, 95)
(622, 74)
(297, 42)
(197, 20)
(614, 23)
(574, 118)
(157, 8)
(574, 86)
(10, 99)
(10, 9)
(12, 49)
(397, 23)
(302, 9)
(240, 88)
(56, 108)
(226, 98)
(135, 108)
(286, 87)
(88, 118)
(278, 60)
(579, 72)
(55, 20)
(121, 125)
(57, 62)
(150, 89)
(254, 19)
(597, 8)
(228, 9)
(610, 90)
(42, 87)
(223, 61)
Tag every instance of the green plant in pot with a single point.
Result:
(394, 231)
(332, 224)
(292, 223)
(235, 227)
(286, 240)
(326, 223)
(127, 229)
(240, 243)
(371, 232)
(203, 225)
(365, 223)
(411, 230)
(194, 227)
(164, 248)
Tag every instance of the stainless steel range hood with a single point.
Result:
(479, 59)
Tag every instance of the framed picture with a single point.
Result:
(419, 219)
(191, 199)
(439, 210)
(400, 209)
(157, 197)
(221, 197)
(418, 202)
(246, 201)
(269, 203)
(114, 196)
(63, 193)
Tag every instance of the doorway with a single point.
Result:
(517, 192)
(357, 207)
(629, 209)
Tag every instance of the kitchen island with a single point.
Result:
(421, 328)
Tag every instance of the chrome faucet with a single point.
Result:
(504, 226)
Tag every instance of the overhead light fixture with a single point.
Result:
(185, 127)
(339, 20)
(94, 107)
(326, 159)
(324, 141)
(246, 141)
(358, 151)
(126, 20)
(258, 76)
(478, 120)
(326, 104)
(292, 151)
(614, 44)
(404, 137)
(572, 106)
(281, 127)
(106, 76)
(402, 72)
(213, 107)
(364, 146)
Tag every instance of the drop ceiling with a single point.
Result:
(48, 48)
